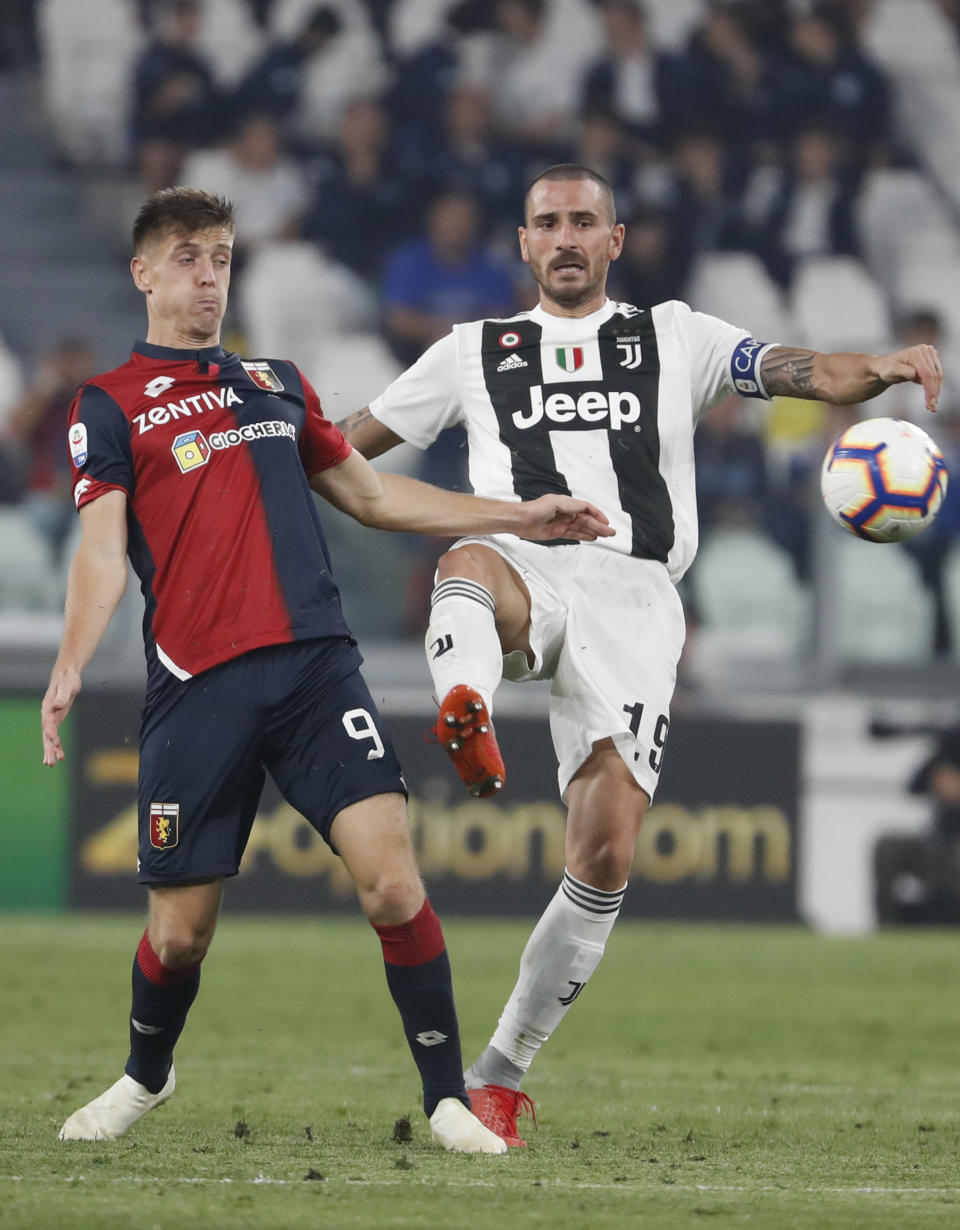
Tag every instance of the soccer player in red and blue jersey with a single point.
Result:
(199, 466)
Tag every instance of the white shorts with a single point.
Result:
(608, 630)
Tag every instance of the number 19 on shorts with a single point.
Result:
(661, 729)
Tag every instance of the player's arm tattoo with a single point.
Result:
(788, 372)
(367, 434)
(355, 422)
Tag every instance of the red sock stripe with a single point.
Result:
(415, 942)
(154, 969)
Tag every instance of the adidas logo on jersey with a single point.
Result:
(610, 409)
(510, 363)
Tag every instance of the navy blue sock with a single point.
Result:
(161, 1001)
(418, 975)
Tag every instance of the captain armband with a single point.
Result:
(745, 367)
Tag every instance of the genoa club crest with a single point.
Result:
(164, 825)
(263, 375)
(570, 358)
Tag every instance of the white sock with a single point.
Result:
(562, 952)
(462, 644)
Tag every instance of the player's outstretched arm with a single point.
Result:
(367, 434)
(846, 378)
(95, 585)
(392, 502)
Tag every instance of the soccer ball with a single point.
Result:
(883, 480)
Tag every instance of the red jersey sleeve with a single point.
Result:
(98, 443)
(322, 443)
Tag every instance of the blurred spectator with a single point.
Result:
(808, 210)
(35, 431)
(916, 876)
(796, 435)
(925, 325)
(939, 778)
(273, 86)
(424, 80)
(827, 81)
(361, 202)
(348, 68)
(446, 276)
(602, 146)
(632, 80)
(730, 467)
(533, 77)
(18, 35)
(267, 188)
(11, 387)
(702, 201)
(930, 549)
(722, 83)
(466, 159)
(649, 270)
(176, 104)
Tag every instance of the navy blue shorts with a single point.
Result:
(300, 711)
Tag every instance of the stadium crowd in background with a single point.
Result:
(357, 124)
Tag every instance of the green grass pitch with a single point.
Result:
(708, 1076)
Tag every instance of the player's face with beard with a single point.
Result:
(569, 240)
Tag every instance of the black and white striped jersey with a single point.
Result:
(602, 407)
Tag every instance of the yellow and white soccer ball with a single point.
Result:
(883, 480)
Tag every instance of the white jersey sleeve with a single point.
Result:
(424, 399)
(724, 359)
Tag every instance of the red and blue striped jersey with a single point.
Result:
(214, 453)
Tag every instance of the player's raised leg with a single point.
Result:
(479, 610)
(606, 807)
(372, 836)
(166, 978)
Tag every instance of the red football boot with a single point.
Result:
(497, 1108)
(466, 732)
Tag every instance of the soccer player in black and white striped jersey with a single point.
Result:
(598, 399)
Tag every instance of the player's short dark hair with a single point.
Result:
(180, 211)
(573, 170)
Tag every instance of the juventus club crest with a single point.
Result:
(263, 375)
(629, 352)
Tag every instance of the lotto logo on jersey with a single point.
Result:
(593, 408)
(164, 825)
(191, 450)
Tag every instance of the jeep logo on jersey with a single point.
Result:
(591, 407)
(570, 358)
(191, 450)
(263, 375)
